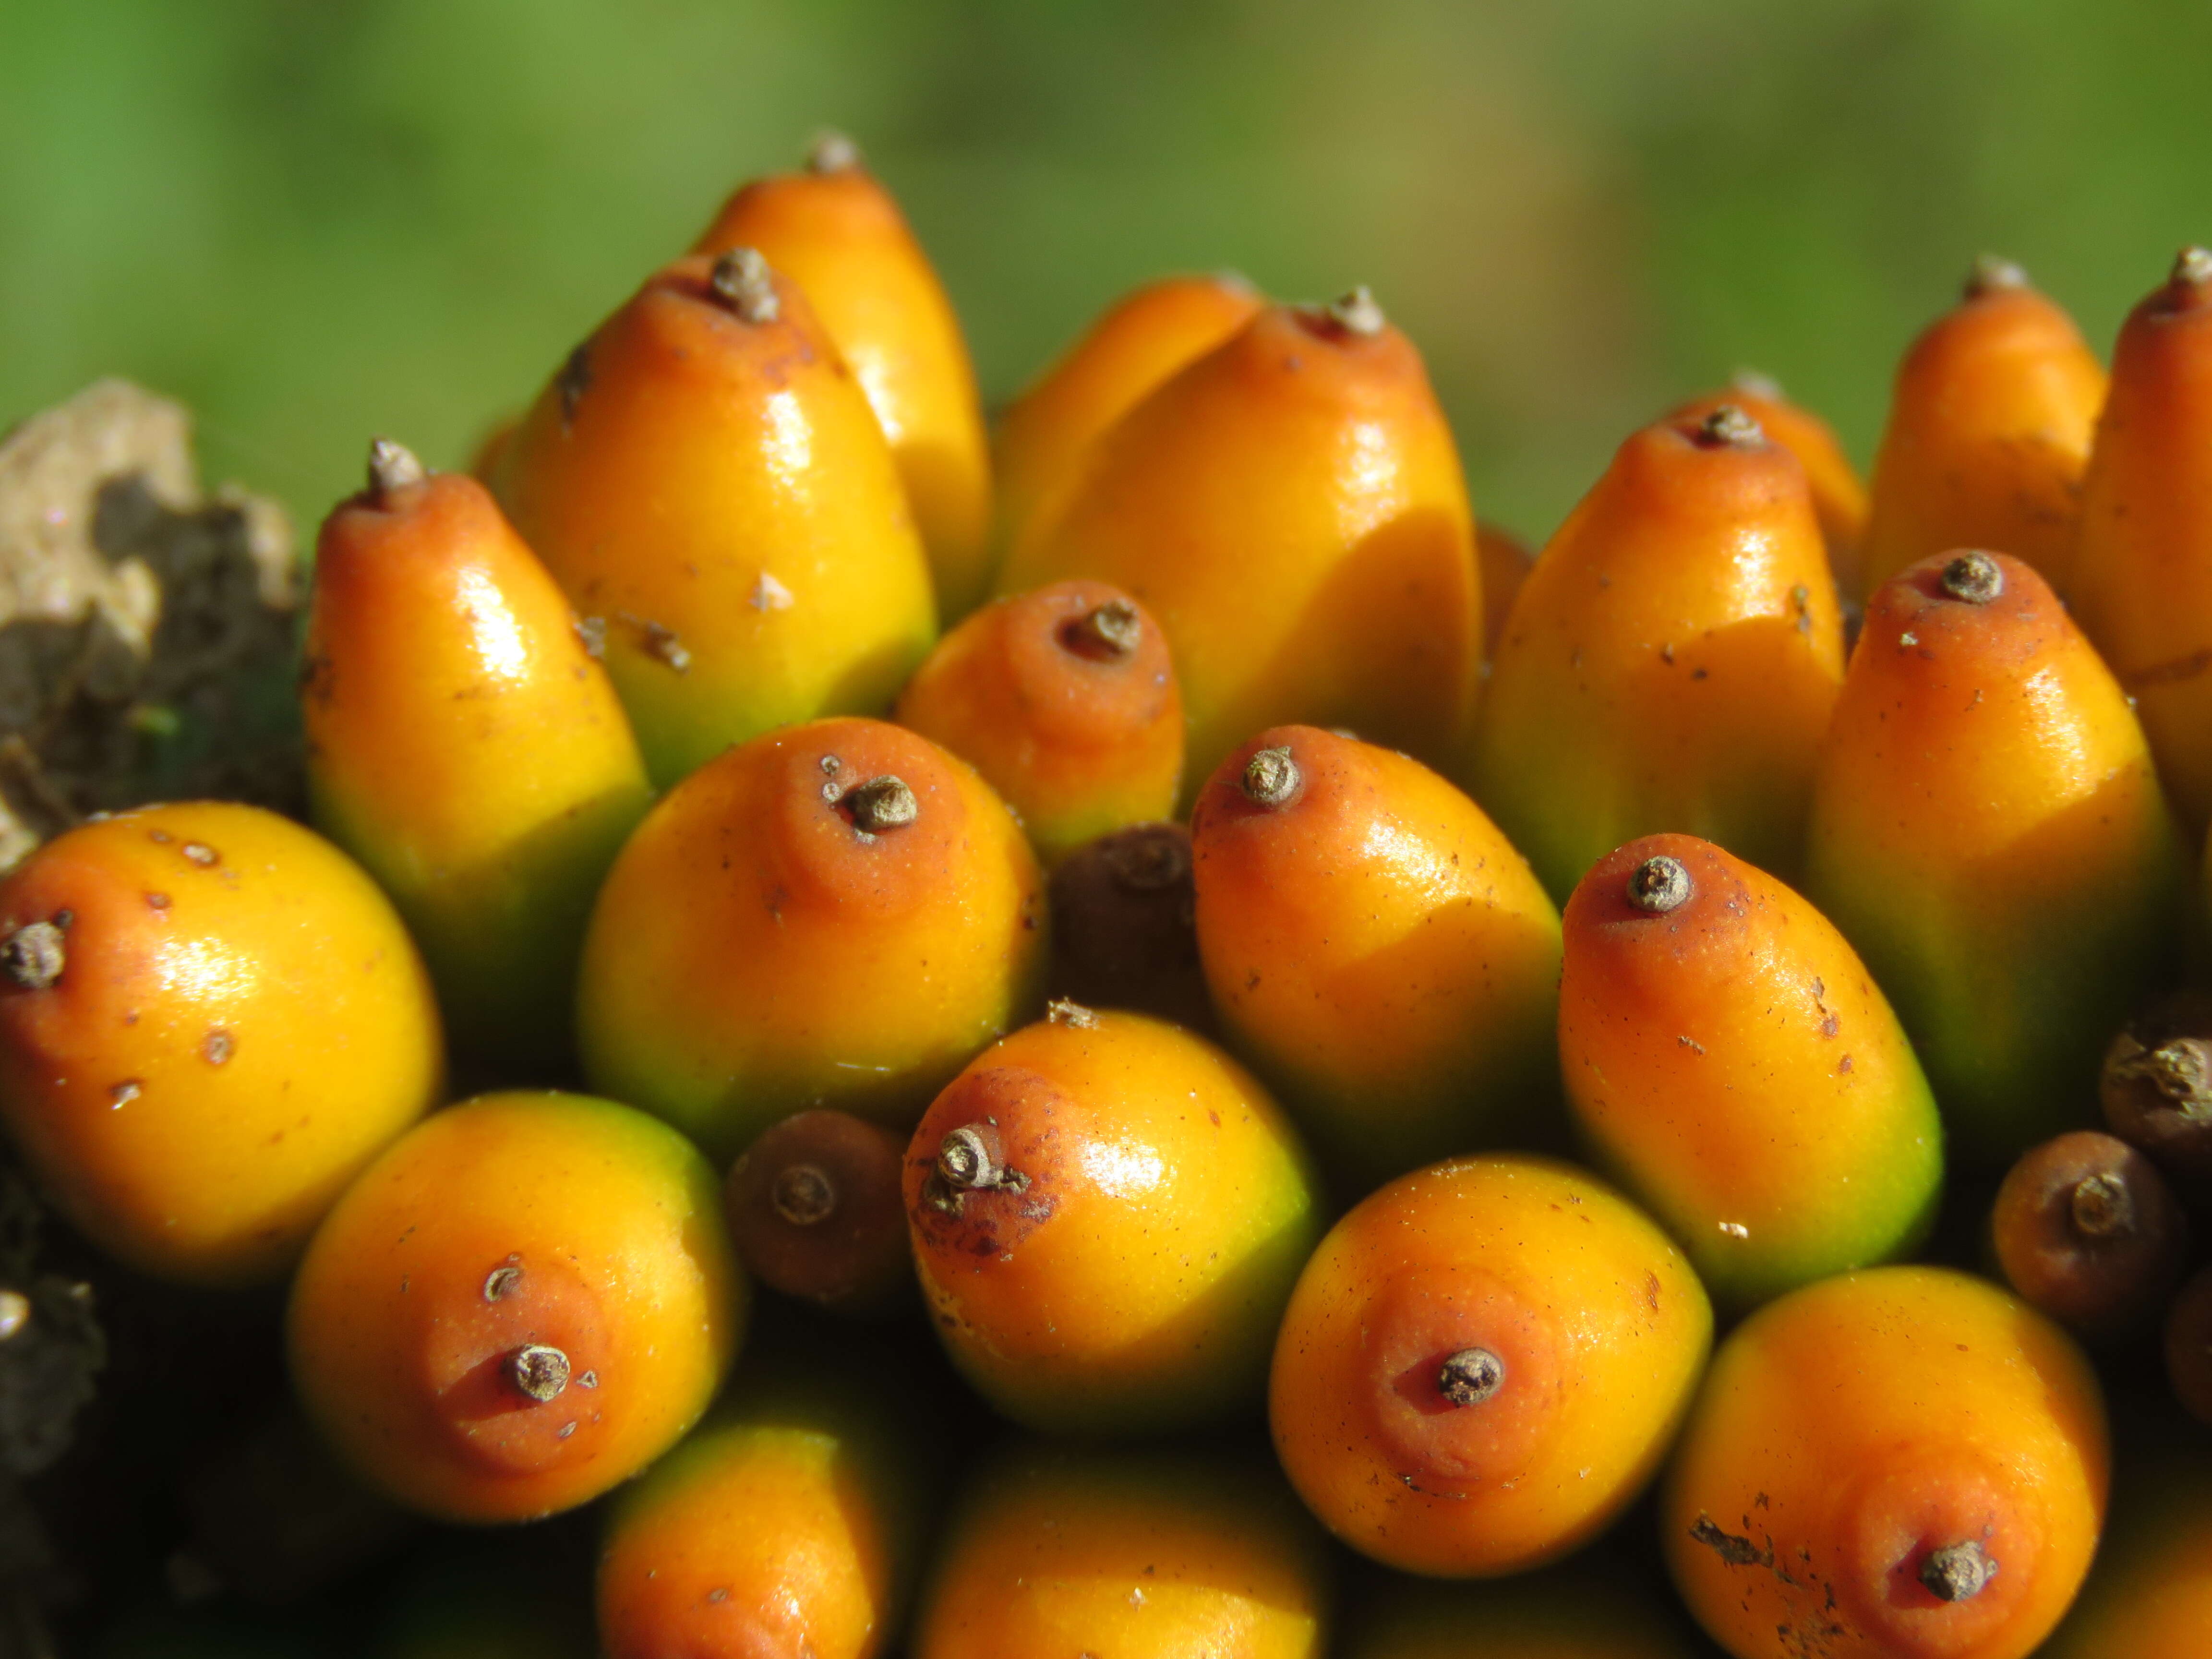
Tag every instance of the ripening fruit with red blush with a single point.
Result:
(1064, 699)
(1840, 495)
(1483, 1365)
(835, 230)
(2142, 582)
(523, 1302)
(1989, 433)
(464, 745)
(1731, 1061)
(1988, 830)
(1107, 1215)
(835, 914)
(211, 1020)
(1047, 435)
(1386, 960)
(1902, 1461)
(705, 480)
(1671, 661)
(1291, 507)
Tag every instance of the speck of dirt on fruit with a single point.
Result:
(502, 1281)
(217, 1046)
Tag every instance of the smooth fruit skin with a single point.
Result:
(1290, 506)
(466, 747)
(1503, 561)
(1987, 830)
(2142, 582)
(1670, 663)
(1126, 1275)
(1061, 1551)
(1080, 734)
(1840, 495)
(509, 1221)
(240, 1023)
(1988, 436)
(1600, 1328)
(1582, 1608)
(1046, 435)
(1850, 1430)
(755, 953)
(838, 233)
(1380, 953)
(716, 500)
(2150, 1595)
(788, 1522)
(1732, 1063)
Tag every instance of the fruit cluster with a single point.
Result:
(1127, 988)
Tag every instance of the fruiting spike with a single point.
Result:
(392, 467)
(1958, 1572)
(1975, 578)
(1271, 777)
(1356, 312)
(1659, 884)
(832, 151)
(881, 804)
(1991, 272)
(1470, 1376)
(2193, 266)
(742, 277)
(538, 1373)
(1730, 425)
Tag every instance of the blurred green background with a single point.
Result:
(316, 220)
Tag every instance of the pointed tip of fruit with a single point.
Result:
(1731, 427)
(1974, 578)
(1756, 382)
(742, 280)
(832, 151)
(2192, 267)
(1236, 281)
(1107, 633)
(1958, 1572)
(881, 804)
(1357, 313)
(392, 467)
(1659, 884)
(1991, 273)
(1271, 777)
(804, 1195)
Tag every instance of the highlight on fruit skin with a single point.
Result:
(708, 485)
(1065, 700)
(1671, 661)
(1988, 830)
(524, 1301)
(1840, 495)
(836, 232)
(463, 744)
(815, 1212)
(2142, 582)
(835, 914)
(211, 1019)
(1290, 506)
(1897, 1461)
(1729, 1060)
(2086, 1229)
(1047, 435)
(1377, 951)
(1483, 1365)
(1107, 1214)
(1988, 435)
(1060, 1548)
